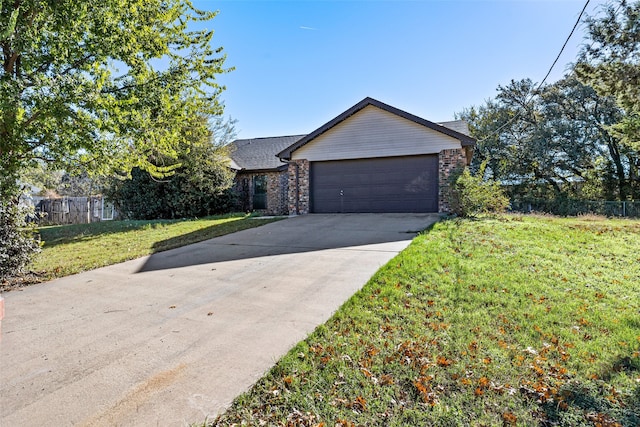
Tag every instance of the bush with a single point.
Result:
(473, 195)
(17, 241)
(143, 197)
(199, 185)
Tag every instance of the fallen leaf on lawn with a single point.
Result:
(509, 418)
(443, 361)
(360, 404)
(386, 379)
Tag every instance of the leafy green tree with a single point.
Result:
(106, 85)
(39, 176)
(100, 86)
(59, 182)
(576, 129)
(552, 141)
(201, 186)
(80, 183)
(610, 62)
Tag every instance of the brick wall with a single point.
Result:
(276, 192)
(277, 186)
(448, 160)
(299, 187)
(243, 189)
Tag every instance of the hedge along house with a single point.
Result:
(375, 158)
(371, 158)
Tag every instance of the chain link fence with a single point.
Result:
(569, 207)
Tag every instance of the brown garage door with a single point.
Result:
(390, 184)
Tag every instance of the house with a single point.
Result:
(371, 158)
(261, 181)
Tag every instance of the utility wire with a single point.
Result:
(517, 116)
(565, 44)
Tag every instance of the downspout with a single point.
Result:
(297, 188)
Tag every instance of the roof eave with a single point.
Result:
(264, 170)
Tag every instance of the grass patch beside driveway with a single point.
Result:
(509, 321)
(70, 249)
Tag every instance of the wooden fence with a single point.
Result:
(72, 210)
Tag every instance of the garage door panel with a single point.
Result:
(394, 184)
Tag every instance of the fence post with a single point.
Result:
(624, 209)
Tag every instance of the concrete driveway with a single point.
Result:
(173, 338)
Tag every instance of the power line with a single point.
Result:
(565, 44)
(517, 116)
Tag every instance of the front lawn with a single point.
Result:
(509, 321)
(70, 249)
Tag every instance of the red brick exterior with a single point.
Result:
(276, 192)
(299, 187)
(448, 160)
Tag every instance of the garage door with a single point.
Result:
(390, 184)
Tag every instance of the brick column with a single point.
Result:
(299, 187)
(448, 160)
(276, 193)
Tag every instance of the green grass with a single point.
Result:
(507, 321)
(70, 249)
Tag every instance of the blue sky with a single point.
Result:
(298, 64)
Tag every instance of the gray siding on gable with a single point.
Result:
(373, 132)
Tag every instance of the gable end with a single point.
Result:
(465, 140)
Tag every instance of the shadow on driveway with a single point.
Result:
(168, 347)
(296, 235)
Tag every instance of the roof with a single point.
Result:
(459, 126)
(260, 153)
(465, 140)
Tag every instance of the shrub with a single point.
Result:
(473, 195)
(198, 186)
(17, 241)
(179, 196)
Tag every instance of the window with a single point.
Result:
(260, 192)
(107, 210)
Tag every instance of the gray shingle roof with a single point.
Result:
(260, 153)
